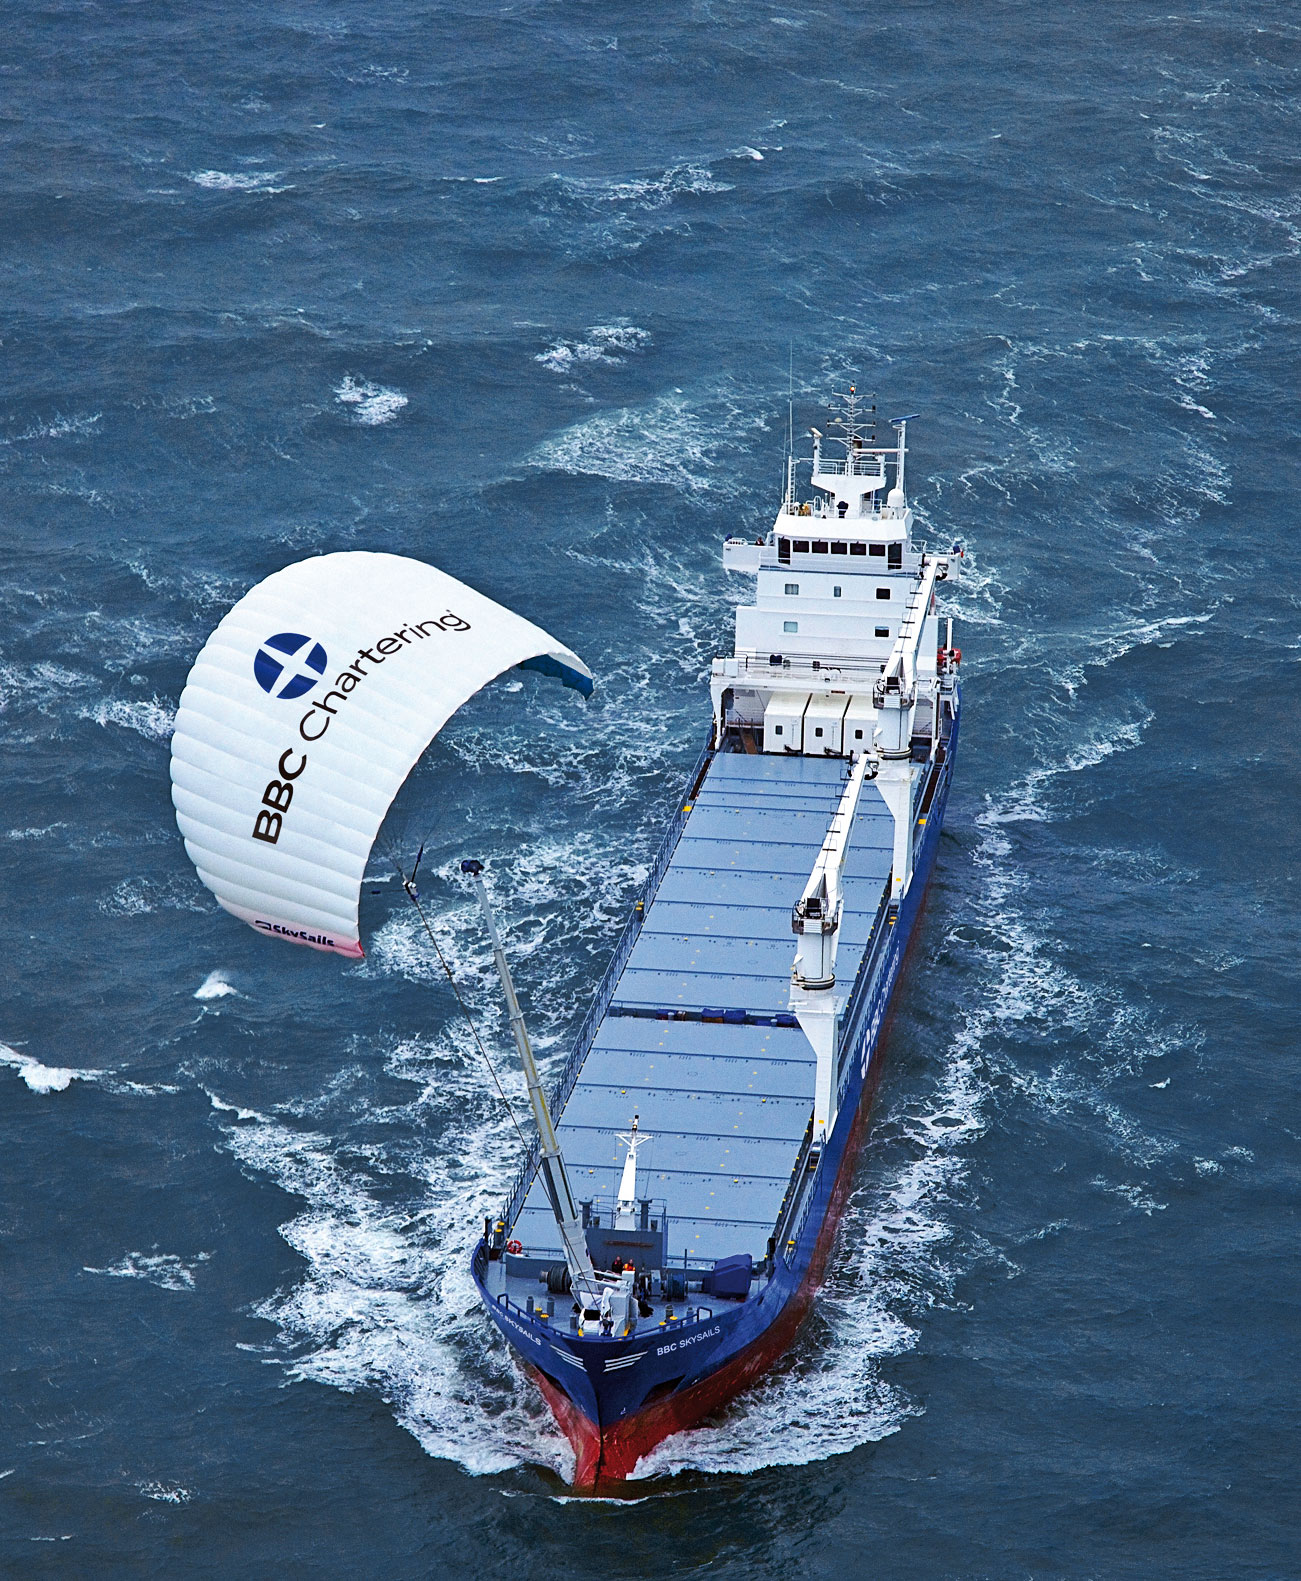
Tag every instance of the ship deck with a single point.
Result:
(697, 1039)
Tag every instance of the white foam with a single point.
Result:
(44, 1078)
(165, 1492)
(894, 1254)
(1136, 1195)
(164, 1269)
(238, 181)
(78, 426)
(683, 442)
(222, 1107)
(369, 404)
(214, 986)
(137, 897)
(153, 719)
(1024, 801)
(604, 344)
(644, 192)
(388, 1303)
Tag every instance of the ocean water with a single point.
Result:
(519, 289)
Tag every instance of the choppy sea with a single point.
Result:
(519, 289)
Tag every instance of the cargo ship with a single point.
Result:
(668, 1231)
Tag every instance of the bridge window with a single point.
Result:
(883, 631)
(790, 625)
(784, 551)
(895, 562)
(878, 548)
(819, 546)
(792, 588)
(883, 592)
(840, 548)
(858, 548)
(800, 545)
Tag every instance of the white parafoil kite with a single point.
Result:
(307, 709)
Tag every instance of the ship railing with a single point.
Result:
(689, 1316)
(832, 670)
(791, 1200)
(861, 993)
(801, 1218)
(600, 1003)
(861, 465)
(820, 509)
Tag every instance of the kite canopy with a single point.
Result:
(305, 712)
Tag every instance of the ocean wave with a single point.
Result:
(369, 405)
(39, 686)
(387, 1303)
(165, 1492)
(79, 426)
(607, 345)
(152, 718)
(137, 897)
(1024, 802)
(238, 181)
(215, 986)
(686, 443)
(643, 192)
(164, 1269)
(44, 1078)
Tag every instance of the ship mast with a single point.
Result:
(583, 1277)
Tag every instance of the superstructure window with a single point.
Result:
(817, 730)
(883, 631)
(790, 625)
(778, 730)
(792, 588)
(819, 546)
(835, 592)
(879, 549)
(858, 734)
(883, 592)
(858, 548)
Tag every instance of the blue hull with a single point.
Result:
(617, 1398)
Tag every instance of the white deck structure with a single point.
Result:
(840, 656)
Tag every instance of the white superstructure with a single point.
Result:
(840, 656)
(842, 598)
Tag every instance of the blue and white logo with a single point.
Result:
(289, 665)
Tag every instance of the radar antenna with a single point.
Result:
(854, 417)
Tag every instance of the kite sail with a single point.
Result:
(306, 710)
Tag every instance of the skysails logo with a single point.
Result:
(289, 665)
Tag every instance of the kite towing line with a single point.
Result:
(588, 1287)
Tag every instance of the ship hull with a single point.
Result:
(616, 1404)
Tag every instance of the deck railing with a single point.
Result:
(790, 1201)
(587, 1030)
(796, 1228)
(860, 466)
